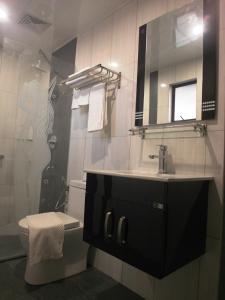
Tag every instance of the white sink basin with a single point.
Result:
(150, 176)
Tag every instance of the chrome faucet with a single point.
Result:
(162, 159)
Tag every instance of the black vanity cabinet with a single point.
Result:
(154, 226)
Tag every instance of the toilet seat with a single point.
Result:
(69, 223)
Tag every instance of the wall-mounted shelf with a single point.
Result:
(92, 76)
(198, 129)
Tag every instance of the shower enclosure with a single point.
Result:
(27, 119)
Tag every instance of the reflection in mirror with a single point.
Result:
(173, 66)
(183, 100)
(177, 66)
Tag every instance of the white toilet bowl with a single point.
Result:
(74, 258)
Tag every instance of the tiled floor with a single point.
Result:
(89, 285)
(10, 247)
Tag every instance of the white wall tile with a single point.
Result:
(106, 263)
(135, 152)
(134, 88)
(117, 151)
(76, 159)
(214, 167)
(176, 4)
(139, 154)
(149, 10)
(102, 41)
(181, 284)
(94, 153)
(209, 271)
(121, 109)
(138, 281)
(124, 34)
(84, 51)
(214, 156)
(186, 155)
(215, 212)
(222, 9)
(79, 121)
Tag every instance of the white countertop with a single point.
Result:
(148, 176)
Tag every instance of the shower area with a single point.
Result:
(34, 120)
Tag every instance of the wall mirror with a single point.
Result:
(177, 66)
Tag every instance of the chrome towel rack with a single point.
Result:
(92, 76)
(169, 128)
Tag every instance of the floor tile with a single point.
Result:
(89, 285)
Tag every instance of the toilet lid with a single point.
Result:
(69, 222)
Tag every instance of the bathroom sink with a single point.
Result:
(150, 176)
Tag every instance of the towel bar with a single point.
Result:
(92, 76)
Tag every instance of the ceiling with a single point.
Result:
(67, 17)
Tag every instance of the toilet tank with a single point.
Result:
(76, 199)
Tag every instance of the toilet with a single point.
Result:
(74, 258)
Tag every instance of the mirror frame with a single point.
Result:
(210, 60)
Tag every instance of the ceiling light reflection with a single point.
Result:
(198, 30)
(4, 17)
(163, 85)
(113, 64)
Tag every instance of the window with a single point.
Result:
(184, 101)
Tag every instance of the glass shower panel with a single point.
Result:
(26, 116)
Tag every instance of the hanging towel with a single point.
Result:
(75, 99)
(83, 98)
(46, 237)
(97, 108)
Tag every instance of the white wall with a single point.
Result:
(116, 39)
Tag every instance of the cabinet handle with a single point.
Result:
(121, 231)
(108, 215)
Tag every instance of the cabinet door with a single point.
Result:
(99, 217)
(126, 218)
(140, 223)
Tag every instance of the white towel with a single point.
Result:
(97, 108)
(75, 99)
(46, 237)
(83, 98)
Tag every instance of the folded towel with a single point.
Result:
(75, 99)
(46, 237)
(97, 108)
(83, 98)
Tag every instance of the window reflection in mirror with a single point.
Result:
(184, 101)
(174, 66)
